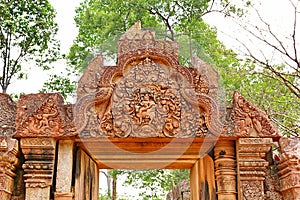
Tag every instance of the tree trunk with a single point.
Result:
(114, 188)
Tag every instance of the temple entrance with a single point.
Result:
(147, 112)
(140, 154)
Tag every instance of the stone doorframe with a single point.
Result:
(149, 109)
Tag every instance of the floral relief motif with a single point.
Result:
(44, 121)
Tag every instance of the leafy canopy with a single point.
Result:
(27, 31)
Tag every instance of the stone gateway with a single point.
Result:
(147, 112)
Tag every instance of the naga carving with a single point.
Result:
(249, 120)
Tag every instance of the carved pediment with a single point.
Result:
(250, 121)
(43, 115)
(148, 94)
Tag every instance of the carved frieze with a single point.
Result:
(43, 115)
(7, 115)
(252, 190)
(250, 121)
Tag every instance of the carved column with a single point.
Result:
(225, 164)
(290, 168)
(252, 165)
(39, 156)
(8, 162)
(64, 170)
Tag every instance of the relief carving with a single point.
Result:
(147, 94)
(252, 190)
(249, 120)
(43, 115)
(88, 83)
(9, 152)
(147, 101)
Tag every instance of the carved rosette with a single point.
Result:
(44, 115)
(8, 162)
(250, 121)
(289, 174)
(252, 165)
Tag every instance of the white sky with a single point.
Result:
(67, 32)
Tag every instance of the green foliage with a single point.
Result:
(27, 31)
(101, 22)
(282, 106)
(60, 84)
(104, 197)
(154, 184)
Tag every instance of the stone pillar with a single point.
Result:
(39, 154)
(8, 162)
(225, 164)
(289, 174)
(252, 166)
(64, 170)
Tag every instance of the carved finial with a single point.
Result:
(134, 31)
(136, 26)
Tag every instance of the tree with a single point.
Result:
(27, 31)
(101, 21)
(273, 76)
(283, 64)
(155, 184)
